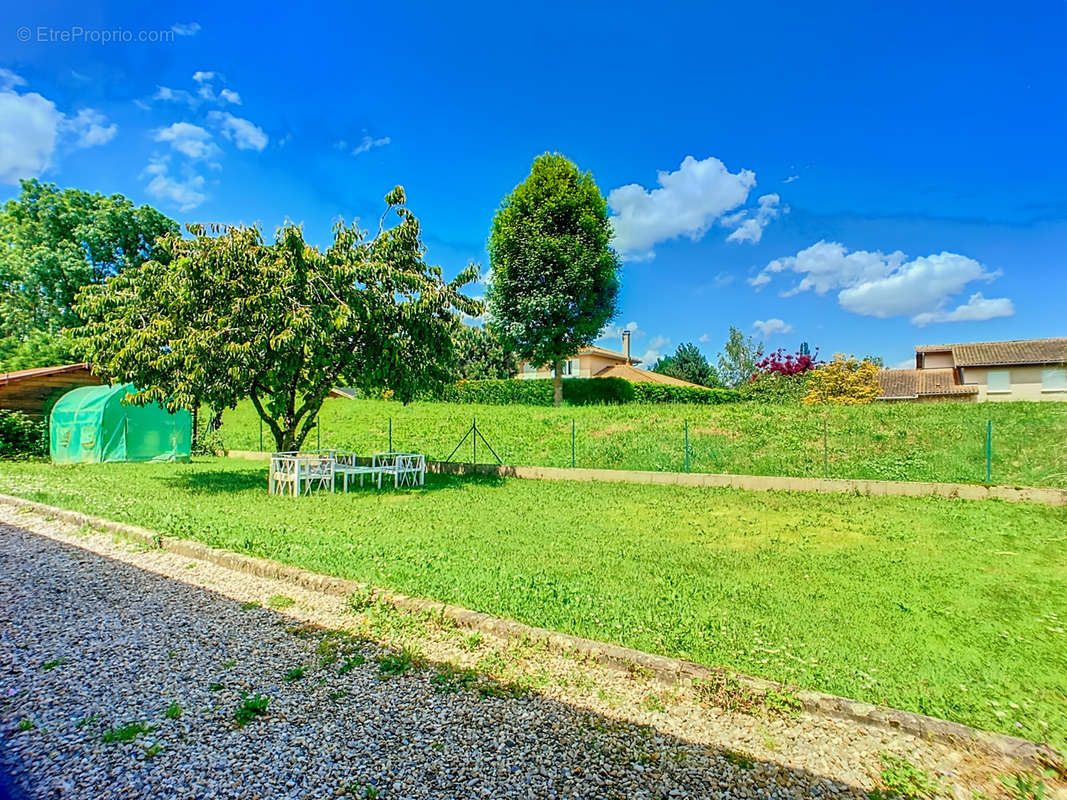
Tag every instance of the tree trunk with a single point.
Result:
(557, 395)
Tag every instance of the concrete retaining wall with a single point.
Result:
(757, 483)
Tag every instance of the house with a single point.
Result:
(598, 362)
(35, 391)
(1020, 369)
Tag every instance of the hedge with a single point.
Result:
(581, 391)
(21, 436)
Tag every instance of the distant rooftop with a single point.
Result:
(1013, 351)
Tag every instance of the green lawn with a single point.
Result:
(948, 607)
(918, 442)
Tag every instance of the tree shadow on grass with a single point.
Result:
(550, 746)
(225, 481)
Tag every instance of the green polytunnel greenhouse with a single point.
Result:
(91, 425)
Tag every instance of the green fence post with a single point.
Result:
(318, 434)
(261, 434)
(474, 439)
(989, 451)
(390, 434)
(572, 444)
(686, 422)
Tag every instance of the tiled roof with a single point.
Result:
(911, 383)
(1016, 351)
(635, 375)
(593, 350)
(37, 372)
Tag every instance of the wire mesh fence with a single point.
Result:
(961, 445)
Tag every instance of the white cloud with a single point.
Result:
(200, 76)
(976, 309)
(368, 143)
(166, 94)
(230, 96)
(186, 28)
(751, 228)
(770, 327)
(90, 128)
(188, 139)
(704, 338)
(687, 203)
(242, 132)
(656, 346)
(611, 331)
(888, 285)
(29, 126)
(9, 80)
(791, 178)
(186, 194)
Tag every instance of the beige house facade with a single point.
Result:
(1019, 369)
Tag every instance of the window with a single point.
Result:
(570, 368)
(1054, 379)
(528, 368)
(998, 381)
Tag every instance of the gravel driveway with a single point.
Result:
(121, 671)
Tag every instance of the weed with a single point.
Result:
(902, 780)
(173, 711)
(124, 733)
(450, 679)
(249, 605)
(293, 675)
(338, 694)
(215, 687)
(26, 724)
(280, 601)
(739, 760)
(89, 720)
(152, 751)
(725, 691)
(471, 642)
(250, 707)
(782, 703)
(55, 662)
(653, 702)
(639, 672)
(351, 663)
(1023, 786)
(392, 664)
(229, 664)
(359, 601)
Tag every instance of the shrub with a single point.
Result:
(773, 387)
(21, 436)
(844, 381)
(664, 393)
(500, 392)
(598, 391)
(581, 391)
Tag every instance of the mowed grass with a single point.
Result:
(947, 607)
(886, 441)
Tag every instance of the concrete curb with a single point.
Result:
(666, 670)
(756, 483)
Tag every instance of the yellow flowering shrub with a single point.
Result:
(844, 381)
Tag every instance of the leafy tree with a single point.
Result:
(688, 364)
(53, 242)
(228, 317)
(737, 362)
(480, 355)
(782, 363)
(554, 275)
(844, 381)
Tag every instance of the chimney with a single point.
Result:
(626, 346)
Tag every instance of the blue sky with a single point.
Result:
(864, 179)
